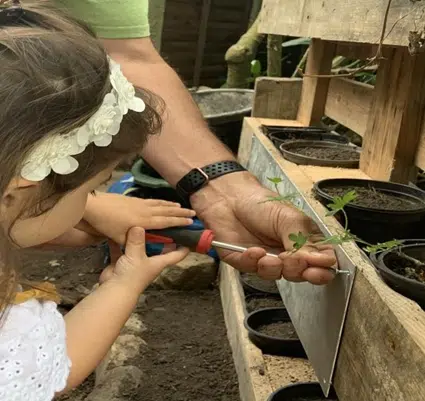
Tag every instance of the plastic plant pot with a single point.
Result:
(258, 301)
(379, 221)
(282, 137)
(302, 392)
(388, 264)
(332, 154)
(152, 186)
(259, 323)
(253, 284)
(272, 129)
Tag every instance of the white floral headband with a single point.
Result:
(55, 152)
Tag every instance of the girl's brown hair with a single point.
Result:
(54, 75)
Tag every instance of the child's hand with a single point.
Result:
(134, 267)
(113, 215)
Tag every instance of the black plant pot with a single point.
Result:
(263, 298)
(377, 224)
(274, 129)
(278, 137)
(302, 392)
(290, 152)
(410, 288)
(270, 344)
(258, 286)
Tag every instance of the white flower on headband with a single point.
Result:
(55, 153)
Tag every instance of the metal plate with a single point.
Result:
(317, 312)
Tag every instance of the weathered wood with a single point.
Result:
(395, 122)
(249, 362)
(349, 103)
(200, 48)
(314, 90)
(360, 21)
(277, 98)
(382, 353)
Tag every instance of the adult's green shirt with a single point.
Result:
(112, 19)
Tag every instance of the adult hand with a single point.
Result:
(233, 207)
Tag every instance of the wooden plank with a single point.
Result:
(395, 123)
(349, 103)
(249, 362)
(277, 98)
(382, 352)
(337, 20)
(314, 90)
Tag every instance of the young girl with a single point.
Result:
(67, 118)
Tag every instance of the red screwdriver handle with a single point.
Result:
(196, 240)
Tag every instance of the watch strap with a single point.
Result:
(198, 178)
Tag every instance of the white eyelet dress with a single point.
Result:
(33, 359)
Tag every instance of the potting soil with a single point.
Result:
(375, 199)
(261, 302)
(284, 330)
(405, 267)
(262, 285)
(327, 153)
(311, 399)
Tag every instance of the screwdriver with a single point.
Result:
(201, 241)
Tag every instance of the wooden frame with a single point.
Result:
(382, 352)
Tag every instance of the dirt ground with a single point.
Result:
(187, 356)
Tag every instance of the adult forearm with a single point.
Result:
(185, 142)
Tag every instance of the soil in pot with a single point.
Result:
(261, 301)
(405, 266)
(371, 198)
(328, 153)
(382, 211)
(279, 329)
(254, 283)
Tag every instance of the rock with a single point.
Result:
(119, 384)
(193, 273)
(127, 346)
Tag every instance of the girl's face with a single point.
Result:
(62, 216)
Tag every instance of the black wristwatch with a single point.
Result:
(197, 178)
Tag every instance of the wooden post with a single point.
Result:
(203, 26)
(315, 89)
(394, 127)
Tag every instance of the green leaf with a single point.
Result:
(383, 246)
(275, 180)
(338, 202)
(255, 68)
(297, 42)
(299, 240)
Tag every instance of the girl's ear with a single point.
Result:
(14, 193)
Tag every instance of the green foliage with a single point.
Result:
(337, 205)
(299, 240)
(339, 202)
(255, 69)
(296, 42)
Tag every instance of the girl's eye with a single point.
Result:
(93, 193)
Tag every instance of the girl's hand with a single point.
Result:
(134, 267)
(111, 215)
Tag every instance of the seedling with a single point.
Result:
(336, 206)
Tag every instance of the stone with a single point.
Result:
(127, 346)
(195, 272)
(119, 384)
